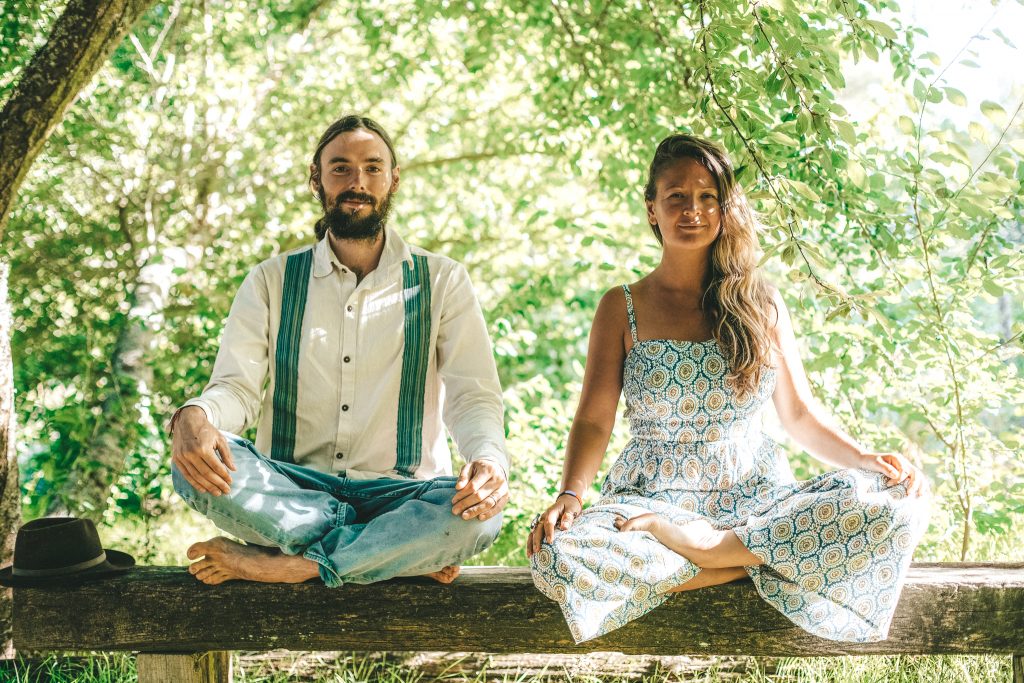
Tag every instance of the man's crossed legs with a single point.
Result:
(300, 522)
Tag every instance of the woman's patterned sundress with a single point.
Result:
(835, 548)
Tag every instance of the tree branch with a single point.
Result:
(81, 41)
(753, 155)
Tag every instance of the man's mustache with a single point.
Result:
(355, 197)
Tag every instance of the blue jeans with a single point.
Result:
(357, 531)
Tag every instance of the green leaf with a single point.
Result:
(804, 190)
(846, 131)
(783, 139)
(956, 97)
(803, 122)
(882, 29)
(856, 173)
(789, 254)
(1004, 38)
(907, 125)
(977, 131)
(992, 288)
(842, 310)
(994, 112)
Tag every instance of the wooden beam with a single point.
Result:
(1018, 668)
(944, 609)
(189, 667)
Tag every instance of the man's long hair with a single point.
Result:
(737, 299)
(342, 125)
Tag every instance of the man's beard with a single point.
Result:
(344, 225)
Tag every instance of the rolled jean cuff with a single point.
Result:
(328, 574)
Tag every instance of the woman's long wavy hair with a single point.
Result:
(737, 299)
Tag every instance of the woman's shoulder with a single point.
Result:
(615, 296)
(611, 309)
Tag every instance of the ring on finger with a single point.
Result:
(534, 521)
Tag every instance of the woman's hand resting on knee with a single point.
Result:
(561, 514)
(897, 468)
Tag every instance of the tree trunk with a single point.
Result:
(80, 42)
(10, 502)
(126, 419)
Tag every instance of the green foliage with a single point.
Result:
(524, 131)
(23, 30)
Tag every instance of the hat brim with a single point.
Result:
(116, 563)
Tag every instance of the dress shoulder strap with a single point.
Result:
(630, 313)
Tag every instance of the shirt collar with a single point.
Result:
(395, 251)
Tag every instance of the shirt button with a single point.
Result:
(346, 359)
(339, 456)
(349, 309)
(344, 407)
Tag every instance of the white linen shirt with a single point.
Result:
(350, 366)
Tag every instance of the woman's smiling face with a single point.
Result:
(686, 207)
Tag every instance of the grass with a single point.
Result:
(403, 668)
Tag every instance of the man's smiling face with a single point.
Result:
(357, 182)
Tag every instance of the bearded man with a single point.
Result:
(351, 356)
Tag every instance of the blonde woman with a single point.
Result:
(700, 496)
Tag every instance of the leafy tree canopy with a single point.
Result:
(524, 131)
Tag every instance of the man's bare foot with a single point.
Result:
(694, 540)
(445, 575)
(224, 560)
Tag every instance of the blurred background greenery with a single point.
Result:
(889, 192)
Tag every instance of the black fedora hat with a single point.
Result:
(55, 550)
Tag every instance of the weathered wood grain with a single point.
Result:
(200, 667)
(947, 608)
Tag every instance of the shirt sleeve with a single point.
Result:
(232, 399)
(473, 409)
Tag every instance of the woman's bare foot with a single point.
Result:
(697, 541)
(712, 577)
(224, 560)
(445, 575)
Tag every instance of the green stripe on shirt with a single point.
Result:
(286, 356)
(415, 357)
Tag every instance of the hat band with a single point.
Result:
(100, 559)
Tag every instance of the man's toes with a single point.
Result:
(207, 579)
(197, 550)
(214, 578)
(448, 574)
(199, 565)
(209, 545)
(206, 573)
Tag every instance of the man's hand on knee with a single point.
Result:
(194, 447)
(481, 490)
